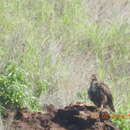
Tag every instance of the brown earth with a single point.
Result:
(73, 117)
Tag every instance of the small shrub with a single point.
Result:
(122, 118)
(14, 89)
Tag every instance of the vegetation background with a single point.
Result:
(49, 49)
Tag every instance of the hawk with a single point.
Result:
(100, 94)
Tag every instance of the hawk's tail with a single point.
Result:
(112, 107)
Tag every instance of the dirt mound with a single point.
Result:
(72, 117)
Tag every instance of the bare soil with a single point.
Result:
(73, 117)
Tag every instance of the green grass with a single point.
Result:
(59, 46)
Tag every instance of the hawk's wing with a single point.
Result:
(105, 89)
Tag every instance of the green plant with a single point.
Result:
(122, 119)
(15, 91)
(123, 124)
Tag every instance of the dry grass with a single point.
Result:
(64, 42)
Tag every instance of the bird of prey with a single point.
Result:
(99, 94)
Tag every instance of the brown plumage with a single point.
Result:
(99, 94)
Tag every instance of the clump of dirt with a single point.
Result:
(73, 117)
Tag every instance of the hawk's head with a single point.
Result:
(93, 77)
